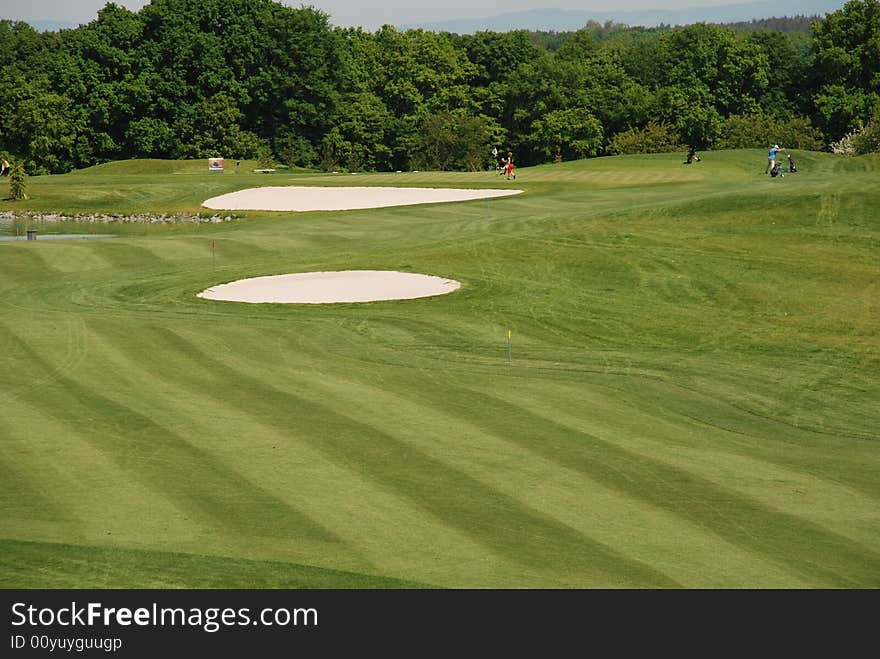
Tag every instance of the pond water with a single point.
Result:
(11, 230)
(56, 236)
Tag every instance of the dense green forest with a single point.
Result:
(257, 79)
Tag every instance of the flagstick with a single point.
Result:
(213, 245)
(509, 356)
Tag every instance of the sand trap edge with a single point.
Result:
(331, 287)
(293, 198)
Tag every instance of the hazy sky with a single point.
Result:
(368, 14)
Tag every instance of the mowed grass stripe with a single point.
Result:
(85, 496)
(803, 547)
(757, 405)
(304, 359)
(20, 258)
(499, 522)
(371, 520)
(736, 462)
(163, 460)
(642, 531)
(22, 496)
(760, 406)
(64, 566)
(124, 255)
(55, 259)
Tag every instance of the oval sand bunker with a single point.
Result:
(328, 287)
(308, 198)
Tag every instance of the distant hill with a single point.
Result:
(564, 20)
(569, 20)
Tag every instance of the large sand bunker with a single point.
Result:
(327, 287)
(307, 198)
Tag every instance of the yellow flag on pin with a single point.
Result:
(508, 334)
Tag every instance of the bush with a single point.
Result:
(573, 133)
(757, 131)
(844, 146)
(265, 157)
(653, 138)
(867, 140)
(17, 182)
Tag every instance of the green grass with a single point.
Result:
(692, 400)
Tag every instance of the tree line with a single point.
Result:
(257, 79)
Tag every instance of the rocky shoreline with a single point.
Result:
(103, 218)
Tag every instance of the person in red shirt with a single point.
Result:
(510, 165)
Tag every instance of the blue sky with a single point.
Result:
(365, 13)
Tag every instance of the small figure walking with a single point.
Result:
(510, 173)
(771, 157)
(4, 171)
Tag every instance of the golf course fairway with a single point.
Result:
(653, 375)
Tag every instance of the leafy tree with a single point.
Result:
(294, 150)
(150, 138)
(212, 126)
(846, 67)
(710, 62)
(595, 83)
(698, 126)
(190, 78)
(759, 131)
(786, 93)
(450, 140)
(44, 127)
(840, 109)
(572, 132)
(496, 55)
(653, 138)
(360, 132)
(21, 46)
(98, 67)
(415, 74)
(273, 66)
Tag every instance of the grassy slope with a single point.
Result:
(692, 399)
